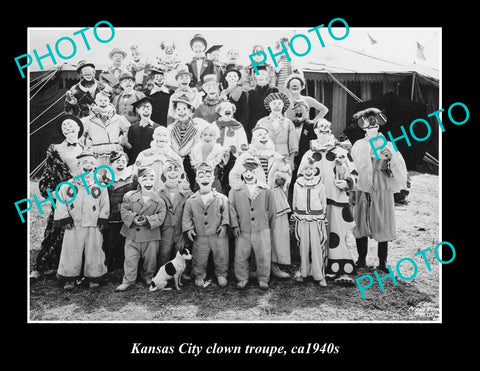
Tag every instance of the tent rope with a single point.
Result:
(357, 99)
(49, 121)
(40, 88)
(42, 79)
(46, 109)
(38, 167)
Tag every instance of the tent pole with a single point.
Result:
(413, 86)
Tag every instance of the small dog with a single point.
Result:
(172, 269)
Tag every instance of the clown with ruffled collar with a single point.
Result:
(339, 175)
(156, 156)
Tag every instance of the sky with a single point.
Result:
(399, 44)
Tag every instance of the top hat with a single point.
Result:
(70, 117)
(213, 48)
(274, 96)
(116, 50)
(137, 103)
(84, 63)
(198, 37)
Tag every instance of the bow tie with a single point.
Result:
(298, 123)
(71, 144)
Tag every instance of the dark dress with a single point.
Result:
(140, 138)
(55, 172)
(160, 106)
(256, 107)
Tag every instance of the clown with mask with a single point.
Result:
(83, 219)
(142, 212)
(252, 217)
(378, 180)
(273, 170)
(205, 223)
(327, 156)
(156, 156)
(175, 194)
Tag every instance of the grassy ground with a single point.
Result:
(286, 300)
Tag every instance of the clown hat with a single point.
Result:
(274, 96)
(115, 51)
(84, 63)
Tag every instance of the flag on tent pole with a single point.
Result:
(372, 40)
(420, 49)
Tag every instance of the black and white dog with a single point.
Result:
(172, 269)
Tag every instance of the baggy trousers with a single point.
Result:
(133, 252)
(202, 246)
(312, 238)
(76, 242)
(260, 242)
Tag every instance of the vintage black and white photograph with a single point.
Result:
(240, 175)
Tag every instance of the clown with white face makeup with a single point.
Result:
(111, 74)
(168, 61)
(106, 131)
(339, 175)
(281, 129)
(156, 156)
(252, 217)
(234, 93)
(205, 222)
(60, 165)
(142, 212)
(273, 170)
(309, 212)
(81, 95)
(83, 213)
(207, 109)
(175, 195)
(183, 78)
(137, 66)
(378, 180)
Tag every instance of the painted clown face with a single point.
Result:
(226, 110)
(169, 47)
(158, 79)
(276, 105)
(184, 80)
(301, 113)
(119, 164)
(117, 59)
(160, 137)
(204, 179)
(101, 100)
(261, 140)
(231, 78)
(172, 173)
(87, 73)
(145, 110)
(182, 112)
(249, 176)
(232, 55)
(309, 171)
(323, 131)
(147, 180)
(70, 130)
(198, 47)
(136, 55)
(87, 164)
(211, 89)
(295, 86)
(127, 85)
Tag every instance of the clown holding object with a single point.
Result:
(378, 180)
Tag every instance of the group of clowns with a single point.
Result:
(210, 157)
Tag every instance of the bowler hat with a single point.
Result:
(126, 75)
(198, 37)
(115, 51)
(137, 103)
(232, 69)
(84, 63)
(70, 117)
(182, 71)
